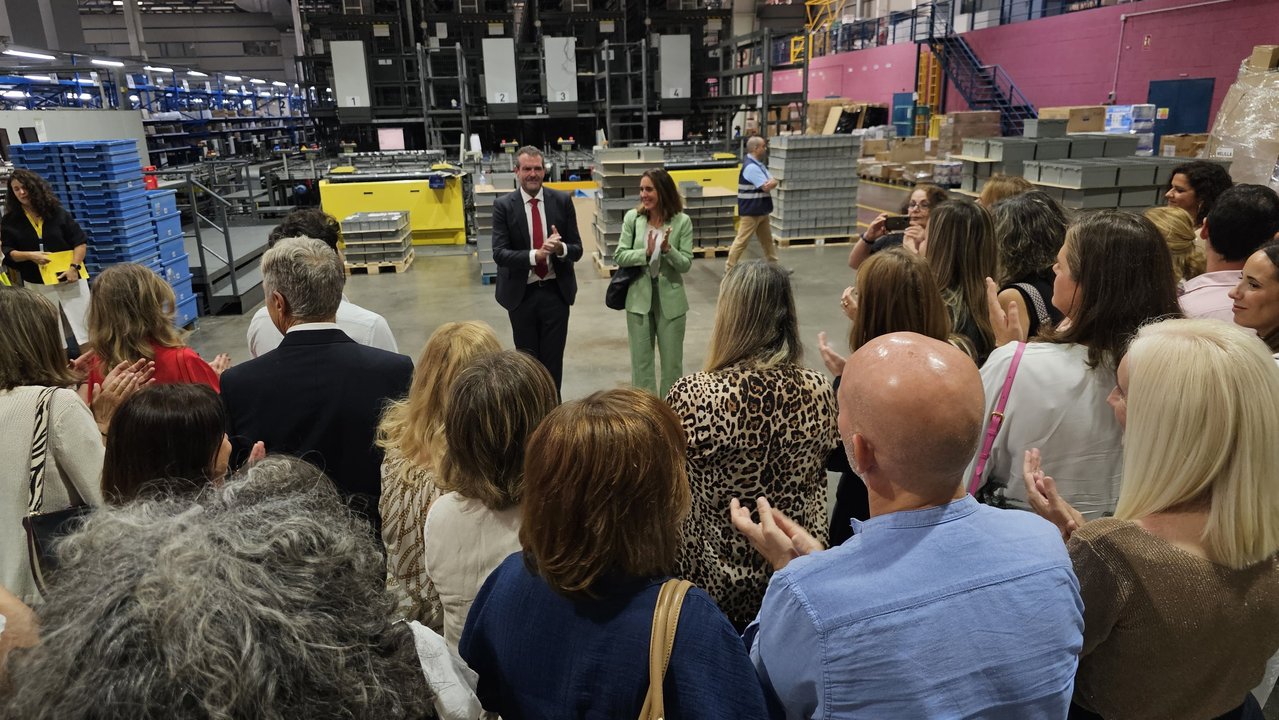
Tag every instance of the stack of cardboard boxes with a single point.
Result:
(959, 126)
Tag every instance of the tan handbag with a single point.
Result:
(665, 620)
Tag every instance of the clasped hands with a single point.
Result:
(551, 246)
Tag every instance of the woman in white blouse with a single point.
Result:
(1113, 275)
(494, 406)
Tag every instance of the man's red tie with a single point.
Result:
(541, 269)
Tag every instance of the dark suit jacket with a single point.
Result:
(318, 396)
(511, 243)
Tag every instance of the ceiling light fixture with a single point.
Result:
(32, 55)
(107, 63)
(153, 68)
(232, 78)
(196, 73)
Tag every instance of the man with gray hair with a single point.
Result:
(319, 395)
(936, 606)
(754, 203)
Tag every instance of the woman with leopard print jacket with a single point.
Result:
(758, 422)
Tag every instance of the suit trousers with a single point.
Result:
(539, 326)
(642, 330)
(747, 227)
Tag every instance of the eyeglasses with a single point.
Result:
(921, 205)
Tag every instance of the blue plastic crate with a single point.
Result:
(120, 241)
(126, 211)
(100, 198)
(168, 228)
(182, 290)
(186, 312)
(100, 145)
(172, 248)
(138, 224)
(124, 166)
(104, 179)
(91, 185)
(163, 202)
(176, 268)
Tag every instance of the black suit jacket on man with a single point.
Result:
(318, 396)
(512, 242)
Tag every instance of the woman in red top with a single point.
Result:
(131, 316)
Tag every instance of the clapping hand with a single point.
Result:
(1005, 322)
(119, 385)
(1041, 492)
(220, 363)
(553, 244)
(778, 538)
(834, 361)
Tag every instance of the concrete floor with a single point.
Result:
(443, 285)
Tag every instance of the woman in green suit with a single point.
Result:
(657, 236)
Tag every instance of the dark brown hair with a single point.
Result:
(1029, 230)
(605, 491)
(31, 350)
(1272, 254)
(164, 437)
(493, 406)
(308, 222)
(43, 201)
(934, 194)
(1124, 272)
(1001, 187)
(669, 202)
(897, 292)
(1208, 179)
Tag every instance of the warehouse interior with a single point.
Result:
(402, 119)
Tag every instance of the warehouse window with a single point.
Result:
(176, 49)
(262, 48)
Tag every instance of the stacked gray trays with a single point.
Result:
(618, 172)
(817, 192)
(712, 217)
(1084, 171)
(377, 237)
(484, 230)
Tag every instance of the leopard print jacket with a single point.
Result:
(750, 433)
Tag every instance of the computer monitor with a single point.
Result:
(390, 138)
(670, 131)
(28, 135)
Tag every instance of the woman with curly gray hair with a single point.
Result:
(263, 598)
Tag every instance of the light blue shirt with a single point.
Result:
(755, 172)
(956, 611)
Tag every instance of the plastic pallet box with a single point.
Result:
(1035, 128)
(976, 147)
(1087, 146)
(1121, 145)
(168, 228)
(186, 312)
(1135, 174)
(1082, 174)
(90, 186)
(1090, 199)
(182, 290)
(172, 248)
(175, 269)
(1139, 197)
(1052, 149)
(163, 202)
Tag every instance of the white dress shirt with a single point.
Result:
(363, 326)
(1057, 404)
(546, 233)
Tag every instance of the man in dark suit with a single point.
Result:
(535, 243)
(319, 395)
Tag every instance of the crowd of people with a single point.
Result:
(1054, 433)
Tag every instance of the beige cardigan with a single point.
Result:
(73, 474)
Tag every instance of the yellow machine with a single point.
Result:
(436, 216)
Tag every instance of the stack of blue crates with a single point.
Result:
(174, 263)
(101, 184)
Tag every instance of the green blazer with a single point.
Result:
(632, 251)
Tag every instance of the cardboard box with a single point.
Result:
(872, 147)
(972, 117)
(907, 149)
(1184, 145)
(1081, 118)
(1264, 57)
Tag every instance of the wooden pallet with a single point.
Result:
(891, 182)
(817, 241)
(711, 252)
(380, 267)
(603, 269)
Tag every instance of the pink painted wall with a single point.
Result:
(1071, 59)
(864, 76)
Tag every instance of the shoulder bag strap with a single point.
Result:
(996, 421)
(662, 639)
(1036, 299)
(39, 450)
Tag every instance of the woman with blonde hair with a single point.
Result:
(131, 317)
(657, 236)
(896, 292)
(1178, 229)
(758, 423)
(1188, 566)
(495, 405)
(563, 628)
(961, 250)
(412, 434)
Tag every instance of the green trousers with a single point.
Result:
(644, 331)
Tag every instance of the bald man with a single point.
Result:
(754, 203)
(937, 606)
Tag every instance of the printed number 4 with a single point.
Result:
(674, 92)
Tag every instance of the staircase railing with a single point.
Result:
(220, 208)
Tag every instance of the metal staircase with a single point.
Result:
(984, 87)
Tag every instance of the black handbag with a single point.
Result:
(44, 529)
(615, 293)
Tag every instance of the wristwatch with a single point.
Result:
(75, 266)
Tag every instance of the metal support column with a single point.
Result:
(133, 27)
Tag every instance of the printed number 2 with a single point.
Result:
(501, 97)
